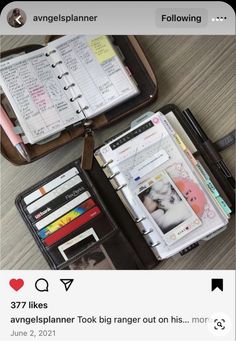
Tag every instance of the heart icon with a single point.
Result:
(16, 284)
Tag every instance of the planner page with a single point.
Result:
(101, 80)
(33, 89)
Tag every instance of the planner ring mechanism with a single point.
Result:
(136, 220)
(60, 76)
(113, 175)
(106, 164)
(50, 52)
(55, 64)
(153, 245)
(120, 187)
(146, 233)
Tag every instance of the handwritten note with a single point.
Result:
(45, 104)
(97, 71)
(37, 98)
(102, 48)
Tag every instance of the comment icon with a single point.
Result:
(42, 285)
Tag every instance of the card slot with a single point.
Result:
(55, 193)
(102, 230)
(72, 226)
(79, 224)
(96, 258)
(81, 242)
(57, 203)
(37, 239)
(102, 223)
(52, 182)
(66, 218)
(69, 206)
(99, 244)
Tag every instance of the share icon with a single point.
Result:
(67, 283)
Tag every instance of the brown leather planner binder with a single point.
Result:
(136, 61)
(116, 234)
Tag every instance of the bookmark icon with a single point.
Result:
(67, 283)
(217, 283)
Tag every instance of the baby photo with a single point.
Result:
(95, 260)
(165, 204)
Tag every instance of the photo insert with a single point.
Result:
(96, 259)
(79, 243)
(164, 202)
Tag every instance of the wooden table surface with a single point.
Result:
(192, 71)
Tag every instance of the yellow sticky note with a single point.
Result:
(102, 48)
(180, 142)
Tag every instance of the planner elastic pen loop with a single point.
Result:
(225, 141)
(211, 155)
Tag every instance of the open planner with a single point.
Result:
(71, 80)
(167, 192)
(146, 198)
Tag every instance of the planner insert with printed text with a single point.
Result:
(72, 79)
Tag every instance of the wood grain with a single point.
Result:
(192, 71)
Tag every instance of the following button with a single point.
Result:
(181, 17)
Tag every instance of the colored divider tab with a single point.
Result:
(223, 205)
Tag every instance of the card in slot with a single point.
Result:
(67, 218)
(96, 258)
(36, 205)
(50, 185)
(62, 210)
(100, 224)
(58, 202)
(81, 242)
(72, 226)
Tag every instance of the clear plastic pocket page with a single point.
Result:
(168, 159)
(135, 161)
(211, 218)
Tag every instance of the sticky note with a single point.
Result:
(102, 48)
(180, 142)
